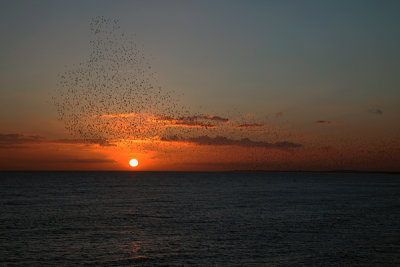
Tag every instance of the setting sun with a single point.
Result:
(133, 162)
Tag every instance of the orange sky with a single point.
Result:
(201, 148)
(199, 86)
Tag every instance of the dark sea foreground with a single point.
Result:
(199, 218)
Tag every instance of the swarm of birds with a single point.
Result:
(112, 92)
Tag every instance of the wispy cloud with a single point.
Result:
(250, 125)
(12, 140)
(166, 121)
(82, 161)
(326, 122)
(186, 124)
(100, 142)
(225, 141)
(8, 141)
(376, 111)
(122, 115)
(202, 121)
(213, 118)
(168, 118)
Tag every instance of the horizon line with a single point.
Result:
(159, 171)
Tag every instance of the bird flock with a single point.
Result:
(113, 92)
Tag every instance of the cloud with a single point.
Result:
(201, 121)
(225, 141)
(19, 140)
(376, 111)
(196, 121)
(326, 122)
(195, 124)
(100, 142)
(8, 141)
(250, 125)
(213, 118)
(83, 161)
(122, 115)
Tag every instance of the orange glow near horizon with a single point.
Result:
(159, 155)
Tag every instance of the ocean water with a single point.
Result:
(199, 218)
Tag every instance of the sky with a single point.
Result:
(200, 85)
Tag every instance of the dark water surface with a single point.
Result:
(194, 218)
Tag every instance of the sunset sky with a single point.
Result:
(200, 85)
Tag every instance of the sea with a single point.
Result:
(199, 219)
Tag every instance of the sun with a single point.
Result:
(133, 162)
